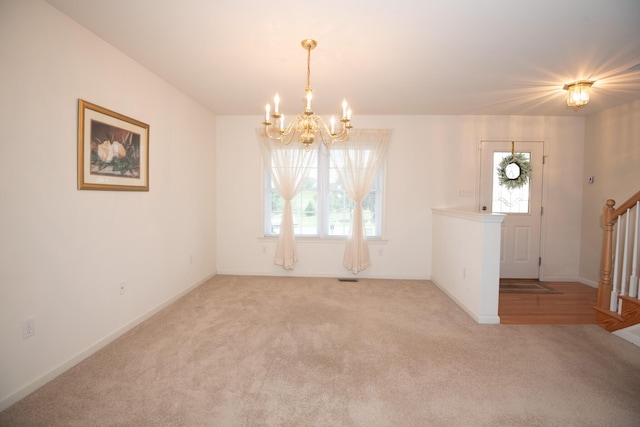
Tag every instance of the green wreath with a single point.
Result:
(514, 178)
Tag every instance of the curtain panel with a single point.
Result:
(358, 161)
(288, 166)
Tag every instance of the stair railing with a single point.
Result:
(624, 282)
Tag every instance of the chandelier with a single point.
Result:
(578, 93)
(307, 125)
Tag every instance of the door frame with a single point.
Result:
(544, 142)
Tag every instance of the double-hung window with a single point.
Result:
(322, 208)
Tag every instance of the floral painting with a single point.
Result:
(113, 150)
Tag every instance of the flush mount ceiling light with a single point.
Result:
(578, 93)
(306, 125)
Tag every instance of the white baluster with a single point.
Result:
(613, 305)
(633, 280)
(625, 255)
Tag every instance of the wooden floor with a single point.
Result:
(571, 307)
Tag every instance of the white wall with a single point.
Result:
(612, 157)
(63, 252)
(468, 273)
(429, 159)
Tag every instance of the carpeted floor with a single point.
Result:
(260, 351)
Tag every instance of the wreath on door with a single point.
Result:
(514, 170)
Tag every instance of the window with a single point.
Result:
(322, 208)
(507, 200)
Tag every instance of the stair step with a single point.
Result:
(630, 310)
(630, 300)
(611, 321)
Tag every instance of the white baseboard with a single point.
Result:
(588, 282)
(569, 279)
(290, 273)
(480, 319)
(558, 279)
(70, 363)
(631, 334)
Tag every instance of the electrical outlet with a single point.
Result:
(190, 259)
(122, 288)
(28, 328)
(380, 252)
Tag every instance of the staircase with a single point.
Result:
(618, 305)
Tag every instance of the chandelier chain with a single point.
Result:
(308, 68)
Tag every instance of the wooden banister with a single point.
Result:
(609, 218)
(626, 205)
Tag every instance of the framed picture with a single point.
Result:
(113, 150)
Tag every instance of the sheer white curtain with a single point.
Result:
(289, 167)
(358, 162)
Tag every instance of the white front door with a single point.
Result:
(520, 237)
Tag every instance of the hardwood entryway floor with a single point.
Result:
(573, 306)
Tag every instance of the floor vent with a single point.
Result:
(346, 279)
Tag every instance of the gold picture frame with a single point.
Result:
(113, 150)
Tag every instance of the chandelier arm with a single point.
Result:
(324, 126)
(266, 131)
(291, 126)
(339, 136)
(287, 139)
(286, 136)
(281, 135)
(344, 135)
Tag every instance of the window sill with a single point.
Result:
(326, 239)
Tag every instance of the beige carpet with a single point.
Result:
(257, 351)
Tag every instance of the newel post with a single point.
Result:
(604, 287)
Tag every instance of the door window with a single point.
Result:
(507, 200)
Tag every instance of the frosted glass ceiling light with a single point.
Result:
(578, 93)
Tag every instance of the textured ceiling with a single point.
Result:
(386, 57)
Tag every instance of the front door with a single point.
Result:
(520, 237)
